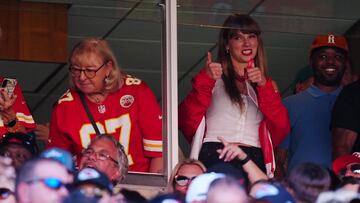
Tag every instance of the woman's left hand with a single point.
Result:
(42, 132)
(230, 151)
(256, 76)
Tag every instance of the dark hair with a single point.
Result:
(231, 171)
(171, 197)
(334, 179)
(232, 26)
(308, 180)
(349, 180)
(77, 197)
(132, 196)
(26, 140)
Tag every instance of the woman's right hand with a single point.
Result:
(213, 69)
(230, 151)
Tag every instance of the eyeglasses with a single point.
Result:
(354, 168)
(52, 183)
(5, 193)
(183, 180)
(103, 156)
(90, 72)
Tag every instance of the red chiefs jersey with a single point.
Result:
(131, 114)
(20, 107)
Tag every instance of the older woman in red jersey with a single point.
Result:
(119, 104)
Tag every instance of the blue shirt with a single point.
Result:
(310, 136)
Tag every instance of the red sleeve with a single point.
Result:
(22, 111)
(195, 104)
(150, 122)
(275, 113)
(56, 137)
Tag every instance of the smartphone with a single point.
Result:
(9, 85)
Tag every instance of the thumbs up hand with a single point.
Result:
(213, 69)
(254, 74)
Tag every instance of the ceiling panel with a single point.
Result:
(133, 30)
(143, 55)
(302, 25)
(332, 9)
(89, 26)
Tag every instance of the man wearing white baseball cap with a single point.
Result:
(197, 192)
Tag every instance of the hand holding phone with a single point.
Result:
(7, 97)
(9, 85)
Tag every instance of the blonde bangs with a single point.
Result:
(101, 48)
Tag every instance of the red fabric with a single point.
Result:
(22, 111)
(276, 120)
(275, 113)
(195, 104)
(329, 40)
(342, 162)
(132, 115)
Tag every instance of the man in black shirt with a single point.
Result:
(345, 123)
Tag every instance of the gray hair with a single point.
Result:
(122, 157)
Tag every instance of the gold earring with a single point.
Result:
(107, 80)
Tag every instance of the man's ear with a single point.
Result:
(23, 193)
(115, 176)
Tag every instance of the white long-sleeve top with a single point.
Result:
(224, 118)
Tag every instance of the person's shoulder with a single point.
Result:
(296, 97)
(133, 83)
(355, 86)
(67, 98)
(293, 102)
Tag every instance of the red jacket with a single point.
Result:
(272, 130)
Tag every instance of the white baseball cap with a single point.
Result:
(199, 187)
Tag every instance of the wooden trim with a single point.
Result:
(34, 31)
